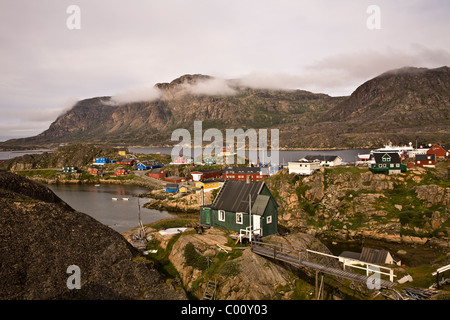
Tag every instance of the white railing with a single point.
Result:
(247, 232)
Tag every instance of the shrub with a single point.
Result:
(195, 259)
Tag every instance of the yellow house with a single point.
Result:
(123, 151)
(182, 189)
(209, 185)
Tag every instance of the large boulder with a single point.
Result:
(41, 237)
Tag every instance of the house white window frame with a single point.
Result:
(241, 215)
(221, 215)
(268, 219)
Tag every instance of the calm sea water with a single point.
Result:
(97, 202)
(348, 155)
(5, 155)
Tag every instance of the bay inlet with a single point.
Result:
(97, 202)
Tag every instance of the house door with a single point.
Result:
(207, 213)
(257, 224)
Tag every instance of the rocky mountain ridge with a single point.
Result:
(398, 106)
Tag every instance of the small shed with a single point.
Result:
(172, 187)
(370, 255)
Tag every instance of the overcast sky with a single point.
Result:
(128, 46)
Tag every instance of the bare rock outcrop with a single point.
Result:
(41, 236)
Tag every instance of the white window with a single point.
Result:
(269, 219)
(221, 215)
(397, 165)
(239, 218)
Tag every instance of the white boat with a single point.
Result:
(114, 198)
(390, 148)
(126, 199)
(364, 157)
(97, 185)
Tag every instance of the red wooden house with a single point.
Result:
(205, 174)
(128, 162)
(438, 151)
(157, 174)
(241, 173)
(121, 172)
(95, 171)
(175, 179)
(425, 160)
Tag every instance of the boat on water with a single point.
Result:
(364, 157)
(114, 198)
(390, 148)
(126, 199)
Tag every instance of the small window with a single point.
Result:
(221, 215)
(239, 218)
(397, 165)
(269, 219)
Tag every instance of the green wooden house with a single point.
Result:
(240, 205)
(387, 163)
(70, 169)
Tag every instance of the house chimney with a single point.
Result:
(203, 196)
(249, 179)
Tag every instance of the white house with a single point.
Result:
(325, 161)
(303, 167)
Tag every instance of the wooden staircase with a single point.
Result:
(210, 291)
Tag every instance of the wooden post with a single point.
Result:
(321, 287)
(437, 280)
(317, 285)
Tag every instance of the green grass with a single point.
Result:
(40, 173)
(170, 223)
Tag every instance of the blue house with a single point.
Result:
(101, 161)
(142, 166)
(150, 164)
(172, 187)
